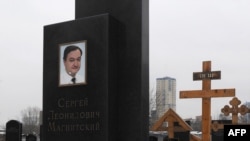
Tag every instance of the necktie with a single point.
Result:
(73, 80)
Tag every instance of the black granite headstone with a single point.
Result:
(182, 136)
(174, 139)
(85, 111)
(133, 68)
(13, 130)
(219, 134)
(165, 138)
(31, 137)
(153, 138)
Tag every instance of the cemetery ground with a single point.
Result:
(228, 113)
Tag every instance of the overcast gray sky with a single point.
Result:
(183, 34)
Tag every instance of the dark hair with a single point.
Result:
(70, 48)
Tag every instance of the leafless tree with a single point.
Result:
(30, 119)
(152, 107)
(152, 100)
(196, 124)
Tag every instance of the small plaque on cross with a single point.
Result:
(206, 75)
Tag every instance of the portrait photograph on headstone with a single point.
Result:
(72, 63)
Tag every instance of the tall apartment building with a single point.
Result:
(165, 95)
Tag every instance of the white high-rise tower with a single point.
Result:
(165, 95)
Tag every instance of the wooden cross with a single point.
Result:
(235, 109)
(206, 93)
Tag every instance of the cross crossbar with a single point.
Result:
(207, 93)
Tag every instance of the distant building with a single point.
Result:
(165, 95)
(245, 118)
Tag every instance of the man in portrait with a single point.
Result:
(72, 63)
